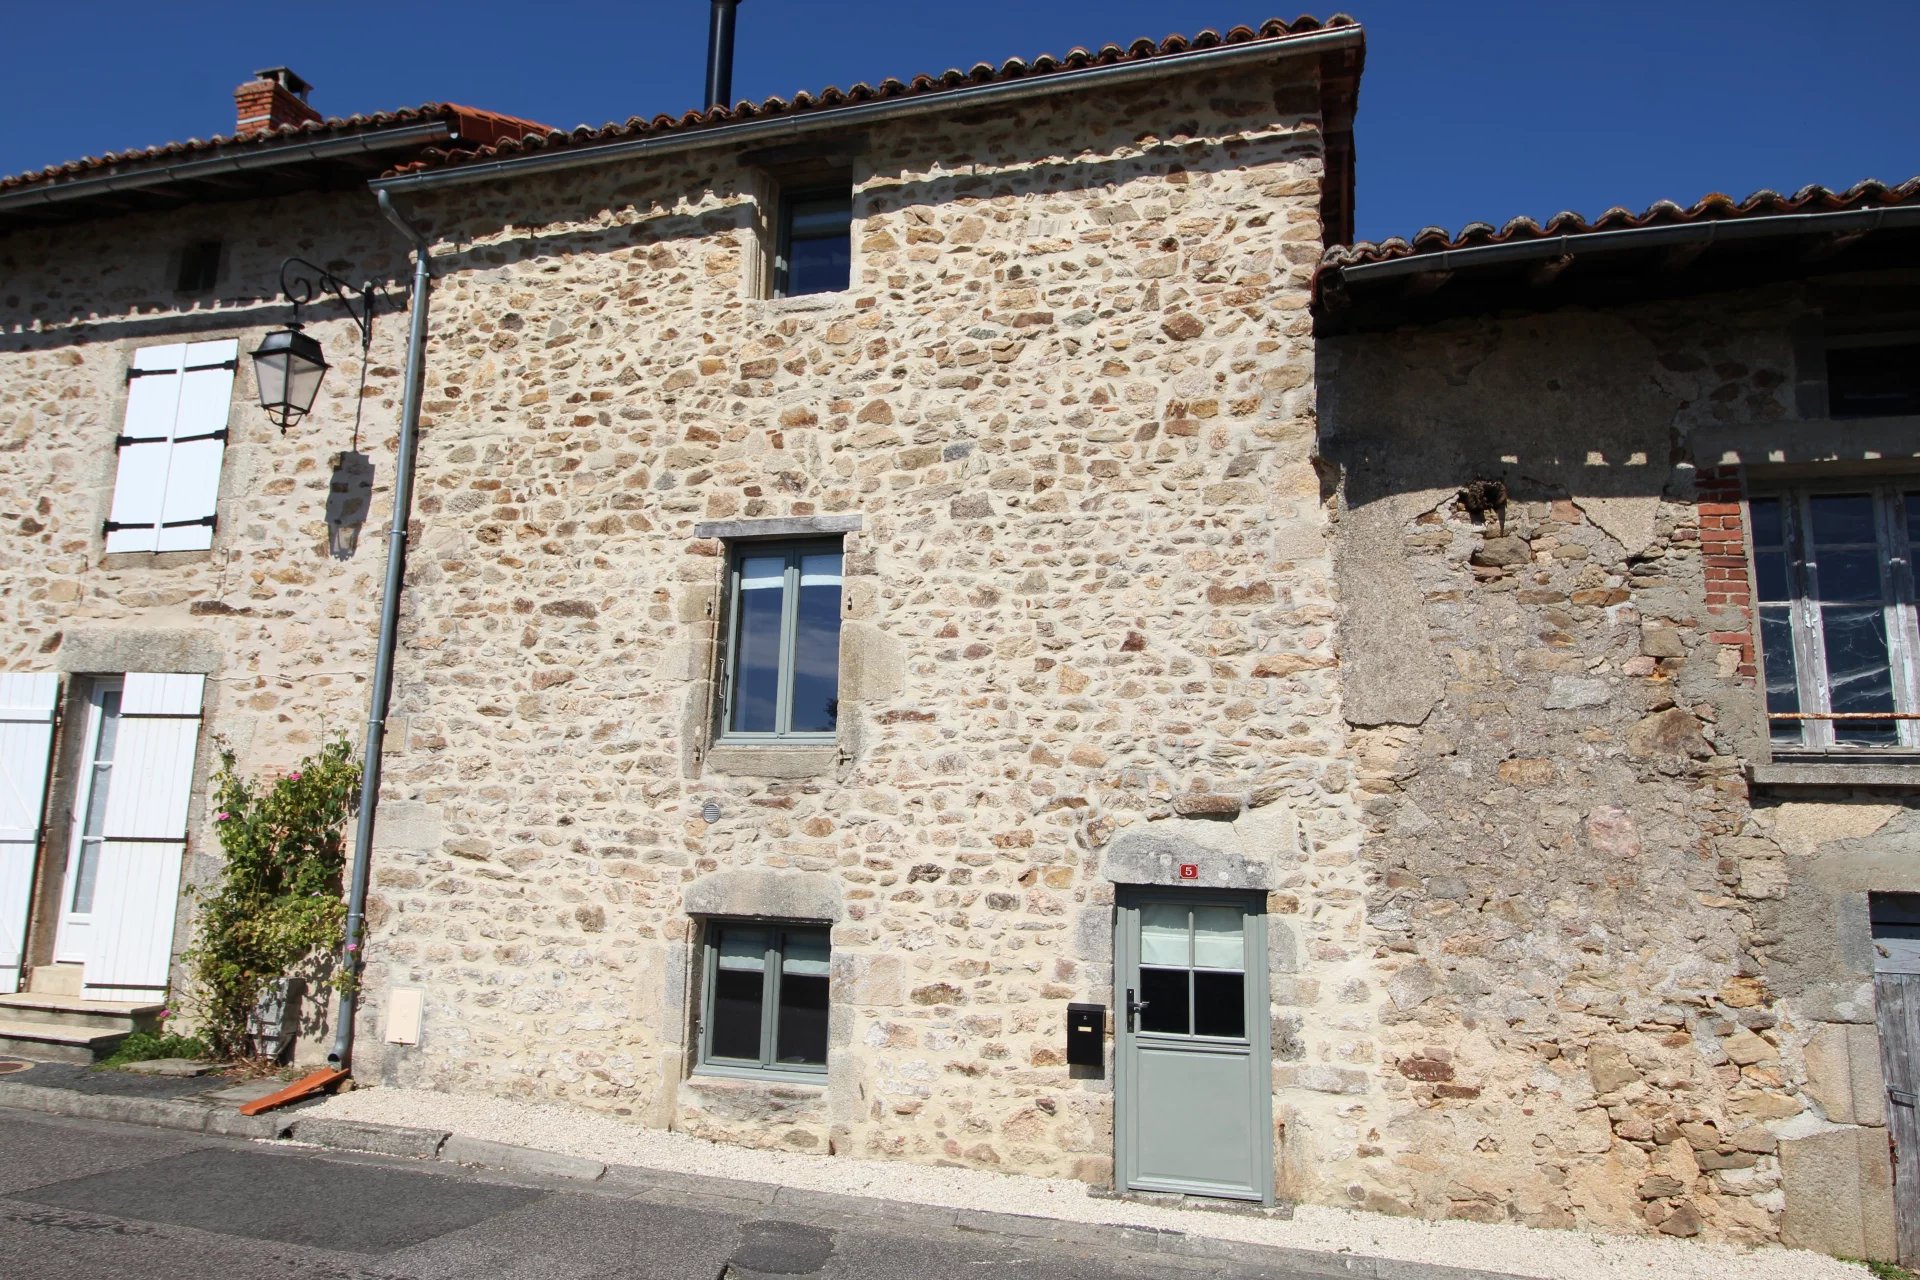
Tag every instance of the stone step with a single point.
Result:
(56, 979)
(47, 1042)
(72, 1011)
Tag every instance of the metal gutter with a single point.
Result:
(834, 119)
(382, 690)
(188, 170)
(1839, 222)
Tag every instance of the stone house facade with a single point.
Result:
(944, 623)
(1057, 431)
(178, 574)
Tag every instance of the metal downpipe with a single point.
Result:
(350, 961)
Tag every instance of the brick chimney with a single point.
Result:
(273, 98)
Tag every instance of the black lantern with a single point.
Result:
(288, 366)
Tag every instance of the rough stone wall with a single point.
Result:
(284, 629)
(1070, 396)
(1616, 993)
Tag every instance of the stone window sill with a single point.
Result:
(808, 302)
(793, 1084)
(116, 560)
(773, 762)
(1837, 773)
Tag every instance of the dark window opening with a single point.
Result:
(1874, 381)
(199, 267)
(766, 1007)
(815, 250)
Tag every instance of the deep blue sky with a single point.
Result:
(1467, 110)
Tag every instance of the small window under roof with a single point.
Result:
(1874, 379)
(199, 267)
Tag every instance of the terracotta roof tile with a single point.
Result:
(1716, 207)
(475, 127)
(829, 98)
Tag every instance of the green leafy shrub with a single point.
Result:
(145, 1046)
(277, 906)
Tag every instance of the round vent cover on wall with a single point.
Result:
(710, 812)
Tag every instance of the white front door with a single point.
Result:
(143, 828)
(92, 786)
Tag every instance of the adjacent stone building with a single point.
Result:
(178, 574)
(1623, 924)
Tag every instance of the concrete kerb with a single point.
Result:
(445, 1147)
(160, 1113)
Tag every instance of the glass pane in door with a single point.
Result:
(1163, 934)
(93, 823)
(1219, 938)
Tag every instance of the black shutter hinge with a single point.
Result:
(192, 368)
(114, 526)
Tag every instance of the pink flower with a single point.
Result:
(294, 776)
(353, 946)
(220, 816)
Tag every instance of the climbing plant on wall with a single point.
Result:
(276, 905)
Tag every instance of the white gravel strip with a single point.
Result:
(1524, 1251)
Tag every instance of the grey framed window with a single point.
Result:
(1873, 376)
(814, 249)
(765, 1006)
(780, 670)
(1834, 598)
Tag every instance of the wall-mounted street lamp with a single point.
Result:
(289, 364)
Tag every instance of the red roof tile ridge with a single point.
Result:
(1075, 59)
(490, 126)
(1714, 206)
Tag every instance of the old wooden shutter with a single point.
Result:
(26, 741)
(168, 482)
(138, 884)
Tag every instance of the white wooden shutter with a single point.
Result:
(26, 741)
(146, 445)
(138, 886)
(168, 482)
(199, 444)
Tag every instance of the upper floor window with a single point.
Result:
(814, 251)
(167, 484)
(1874, 376)
(1834, 587)
(781, 663)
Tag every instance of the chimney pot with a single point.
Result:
(274, 98)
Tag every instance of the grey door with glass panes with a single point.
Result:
(1195, 1095)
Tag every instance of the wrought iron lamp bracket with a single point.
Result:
(302, 281)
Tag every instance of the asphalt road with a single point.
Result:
(83, 1200)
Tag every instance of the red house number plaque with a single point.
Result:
(1189, 871)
